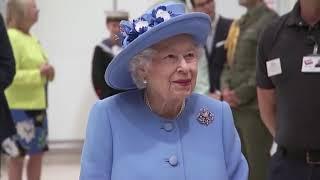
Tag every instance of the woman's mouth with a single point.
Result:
(183, 82)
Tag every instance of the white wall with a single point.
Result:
(69, 30)
(229, 8)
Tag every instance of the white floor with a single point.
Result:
(56, 166)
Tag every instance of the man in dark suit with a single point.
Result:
(214, 50)
(7, 72)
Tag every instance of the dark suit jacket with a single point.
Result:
(7, 72)
(101, 59)
(217, 57)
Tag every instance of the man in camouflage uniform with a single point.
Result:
(239, 87)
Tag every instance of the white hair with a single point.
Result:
(141, 60)
(16, 10)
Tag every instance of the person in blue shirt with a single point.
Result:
(158, 129)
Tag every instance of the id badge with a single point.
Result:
(274, 67)
(311, 64)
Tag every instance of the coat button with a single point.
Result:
(173, 160)
(168, 126)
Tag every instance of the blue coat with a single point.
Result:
(126, 141)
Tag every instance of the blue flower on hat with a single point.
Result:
(132, 30)
(128, 32)
(161, 14)
(140, 25)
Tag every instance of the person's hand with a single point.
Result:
(230, 97)
(216, 95)
(10, 147)
(51, 72)
(48, 71)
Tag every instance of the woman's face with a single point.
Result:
(31, 12)
(173, 70)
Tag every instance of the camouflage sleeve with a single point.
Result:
(247, 90)
(225, 77)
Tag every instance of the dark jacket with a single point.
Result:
(102, 56)
(7, 72)
(217, 57)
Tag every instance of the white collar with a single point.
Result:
(215, 22)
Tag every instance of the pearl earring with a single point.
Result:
(145, 82)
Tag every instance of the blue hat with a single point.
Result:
(164, 21)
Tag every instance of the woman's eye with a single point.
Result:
(170, 56)
(190, 56)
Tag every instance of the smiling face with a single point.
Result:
(172, 73)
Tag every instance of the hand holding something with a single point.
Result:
(230, 97)
(48, 71)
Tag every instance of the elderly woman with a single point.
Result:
(159, 129)
(27, 93)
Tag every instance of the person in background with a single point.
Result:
(105, 51)
(239, 87)
(158, 129)
(27, 95)
(215, 53)
(288, 86)
(7, 72)
(232, 39)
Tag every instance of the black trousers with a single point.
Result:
(285, 168)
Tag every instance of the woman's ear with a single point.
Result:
(143, 72)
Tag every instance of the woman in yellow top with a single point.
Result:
(27, 94)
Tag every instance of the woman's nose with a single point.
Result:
(183, 65)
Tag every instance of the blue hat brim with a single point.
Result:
(196, 24)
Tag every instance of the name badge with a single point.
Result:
(274, 67)
(311, 64)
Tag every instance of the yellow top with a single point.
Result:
(28, 89)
